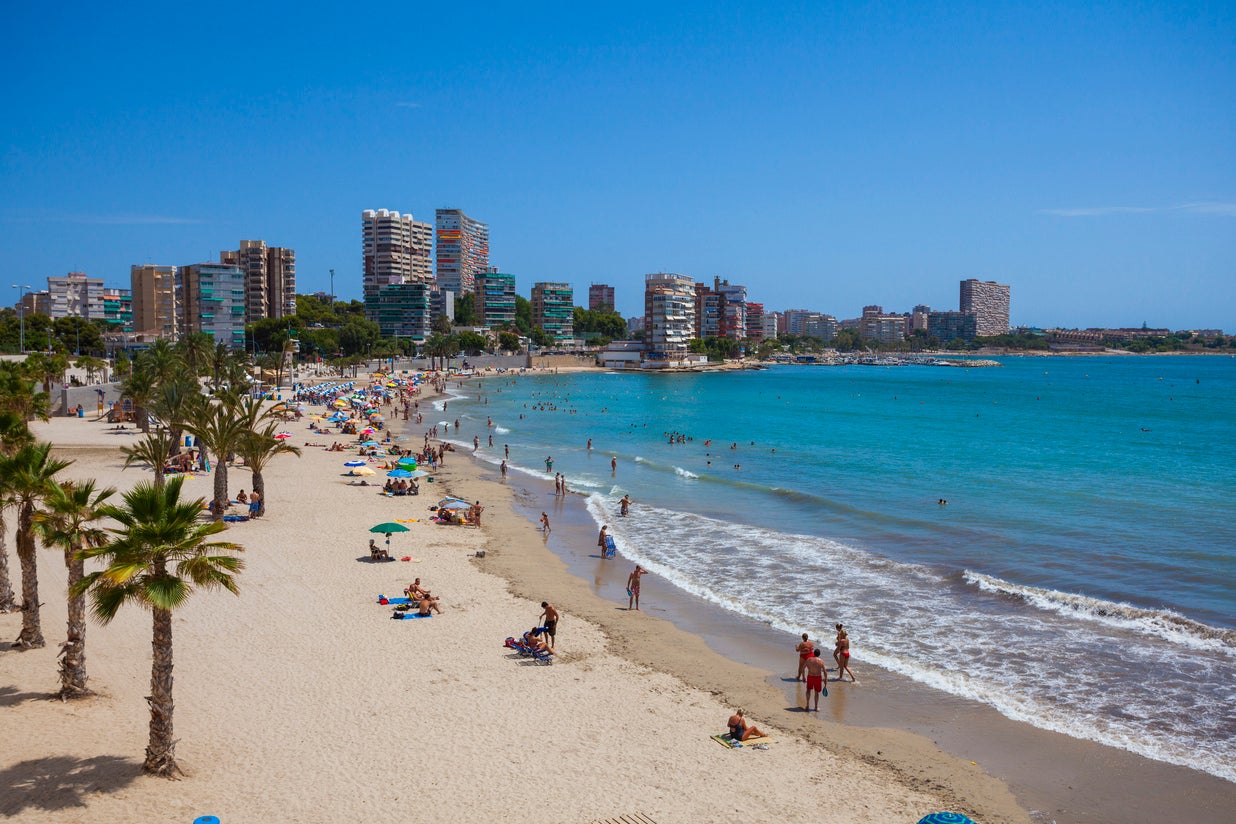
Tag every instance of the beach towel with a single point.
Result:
(610, 546)
(396, 601)
(407, 616)
(724, 740)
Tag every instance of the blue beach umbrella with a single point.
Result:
(370, 443)
(946, 818)
(399, 473)
(355, 463)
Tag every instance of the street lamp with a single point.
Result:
(332, 290)
(21, 316)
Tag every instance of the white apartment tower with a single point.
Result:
(988, 301)
(396, 250)
(669, 314)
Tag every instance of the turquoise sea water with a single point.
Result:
(1081, 577)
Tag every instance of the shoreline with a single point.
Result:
(298, 698)
(1057, 776)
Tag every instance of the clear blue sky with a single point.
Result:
(827, 156)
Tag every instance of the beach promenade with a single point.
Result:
(300, 700)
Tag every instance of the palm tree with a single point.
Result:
(29, 475)
(152, 450)
(14, 434)
(159, 554)
(19, 394)
(219, 424)
(68, 520)
(172, 403)
(196, 349)
(139, 388)
(258, 447)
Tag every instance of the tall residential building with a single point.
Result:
(34, 303)
(270, 278)
(732, 322)
(817, 325)
(601, 297)
(755, 321)
(707, 312)
(947, 326)
(155, 301)
(212, 300)
(988, 301)
(772, 325)
(118, 307)
(553, 310)
(402, 310)
(396, 250)
(876, 325)
(75, 296)
(463, 250)
(495, 298)
(669, 314)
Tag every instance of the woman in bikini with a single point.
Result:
(843, 656)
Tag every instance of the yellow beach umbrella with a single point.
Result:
(362, 470)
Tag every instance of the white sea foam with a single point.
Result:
(501, 430)
(684, 473)
(1162, 623)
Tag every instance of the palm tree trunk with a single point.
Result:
(31, 636)
(73, 652)
(8, 600)
(221, 499)
(143, 418)
(161, 751)
(259, 486)
(158, 470)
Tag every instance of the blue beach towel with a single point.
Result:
(396, 600)
(408, 616)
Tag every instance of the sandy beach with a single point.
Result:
(300, 700)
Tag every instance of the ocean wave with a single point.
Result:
(684, 473)
(1161, 623)
(501, 430)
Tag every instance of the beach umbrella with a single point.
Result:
(369, 443)
(355, 463)
(419, 473)
(407, 459)
(368, 431)
(946, 818)
(283, 436)
(456, 505)
(386, 529)
(399, 473)
(361, 470)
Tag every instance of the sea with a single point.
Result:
(1053, 537)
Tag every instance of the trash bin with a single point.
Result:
(81, 413)
(188, 440)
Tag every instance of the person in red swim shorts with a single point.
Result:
(804, 652)
(817, 679)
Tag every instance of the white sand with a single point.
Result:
(300, 700)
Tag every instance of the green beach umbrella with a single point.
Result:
(387, 529)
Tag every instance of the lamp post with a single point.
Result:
(21, 316)
(332, 290)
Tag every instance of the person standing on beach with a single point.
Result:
(817, 679)
(624, 506)
(803, 649)
(837, 648)
(550, 622)
(633, 587)
(504, 470)
(843, 657)
(545, 523)
(601, 541)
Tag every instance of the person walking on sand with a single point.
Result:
(843, 657)
(545, 523)
(549, 620)
(633, 587)
(740, 730)
(837, 647)
(817, 679)
(803, 649)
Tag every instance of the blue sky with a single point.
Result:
(827, 156)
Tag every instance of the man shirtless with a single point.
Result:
(633, 587)
(817, 679)
(428, 605)
(549, 619)
(803, 649)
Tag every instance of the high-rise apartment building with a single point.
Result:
(463, 250)
(396, 250)
(118, 307)
(212, 300)
(155, 301)
(34, 303)
(270, 278)
(601, 297)
(707, 312)
(402, 310)
(988, 301)
(75, 296)
(876, 325)
(755, 321)
(732, 322)
(553, 309)
(495, 298)
(947, 326)
(669, 314)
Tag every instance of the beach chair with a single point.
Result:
(542, 656)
